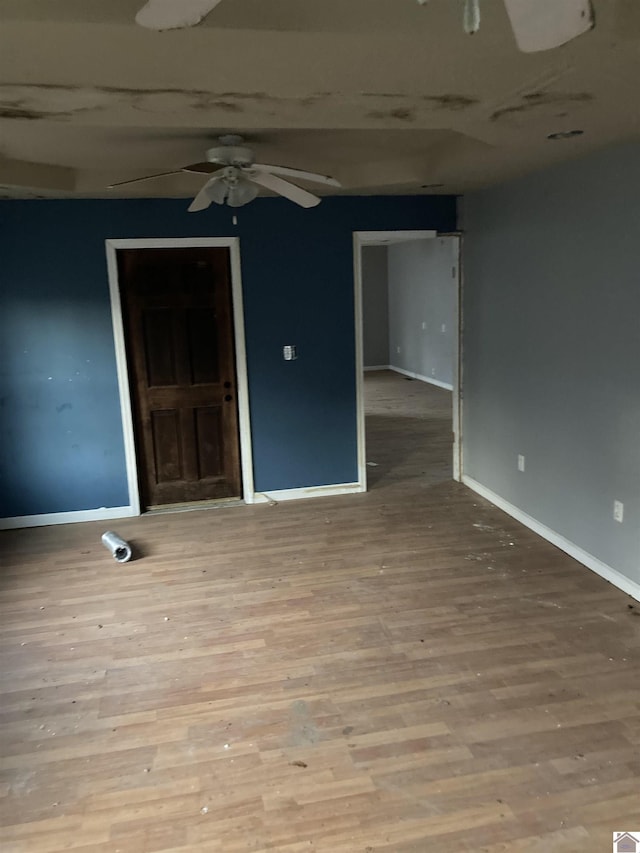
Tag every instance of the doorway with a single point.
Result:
(408, 354)
(177, 315)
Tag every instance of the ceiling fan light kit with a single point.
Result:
(229, 188)
(241, 192)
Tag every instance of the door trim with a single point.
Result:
(385, 238)
(244, 421)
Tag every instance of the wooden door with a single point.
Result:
(178, 322)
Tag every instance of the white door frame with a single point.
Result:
(233, 244)
(385, 238)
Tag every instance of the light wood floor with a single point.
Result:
(403, 671)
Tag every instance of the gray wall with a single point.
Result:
(422, 291)
(552, 349)
(375, 308)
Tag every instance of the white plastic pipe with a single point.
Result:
(120, 549)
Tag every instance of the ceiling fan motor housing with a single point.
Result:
(230, 155)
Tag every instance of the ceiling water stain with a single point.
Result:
(249, 96)
(48, 100)
(450, 102)
(383, 95)
(535, 100)
(400, 113)
(453, 102)
(7, 111)
(24, 101)
(444, 102)
(228, 106)
(311, 100)
(555, 97)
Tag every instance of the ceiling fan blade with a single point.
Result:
(202, 168)
(174, 14)
(545, 24)
(297, 173)
(284, 188)
(145, 178)
(211, 191)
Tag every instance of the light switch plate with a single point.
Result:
(290, 352)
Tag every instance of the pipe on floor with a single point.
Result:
(120, 549)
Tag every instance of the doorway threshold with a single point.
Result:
(220, 503)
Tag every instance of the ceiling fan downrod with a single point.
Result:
(471, 15)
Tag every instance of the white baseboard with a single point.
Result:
(104, 514)
(422, 378)
(109, 513)
(377, 367)
(612, 575)
(307, 492)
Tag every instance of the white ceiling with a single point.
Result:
(387, 95)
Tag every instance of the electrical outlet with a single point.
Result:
(443, 328)
(398, 350)
(618, 511)
(520, 462)
(433, 371)
(424, 326)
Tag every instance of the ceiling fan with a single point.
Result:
(537, 24)
(237, 178)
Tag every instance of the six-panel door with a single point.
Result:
(178, 322)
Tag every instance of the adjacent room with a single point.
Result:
(330, 312)
(410, 328)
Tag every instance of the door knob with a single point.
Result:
(227, 397)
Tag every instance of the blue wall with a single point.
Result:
(60, 429)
